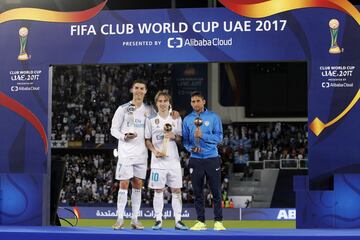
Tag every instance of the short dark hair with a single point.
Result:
(197, 94)
(141, 81)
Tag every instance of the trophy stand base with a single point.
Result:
(23, 57)
(335, 50)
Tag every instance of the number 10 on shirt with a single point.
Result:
(155, 176)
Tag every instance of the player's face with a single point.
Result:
(197, 103)
(138, 91)
(162, 104)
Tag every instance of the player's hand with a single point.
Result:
(170, 135)
(129, 136)
(198, 133)
(196, 149)
(159, 154)
(175, 114)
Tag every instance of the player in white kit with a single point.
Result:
(128, 126)
(161, 134)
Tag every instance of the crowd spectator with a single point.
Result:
(90, 179)
(92, 94)
(244, 142)
(89, 182)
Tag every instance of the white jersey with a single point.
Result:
(134, 150)
(154, 130)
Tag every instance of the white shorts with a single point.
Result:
(126, 172)
(161, 177)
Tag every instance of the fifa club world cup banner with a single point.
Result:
(324, 33)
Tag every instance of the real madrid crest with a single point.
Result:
(157, 121)
(207, 123)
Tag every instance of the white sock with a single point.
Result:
(176, 203)
(135, 202)
(121, 203)
(158, 204)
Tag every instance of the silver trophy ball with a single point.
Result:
(198, 122)
(131, 108)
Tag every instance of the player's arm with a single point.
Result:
(186, 136)
(116, 124)
(178, 139)
(151, 147)
(148, 135)
(175, 134)
(178, 132)
(216, 136)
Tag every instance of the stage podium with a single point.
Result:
(337, 208)
(21, 199)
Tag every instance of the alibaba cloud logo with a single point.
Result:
(325, 85)
(175, 42)
(14, 88)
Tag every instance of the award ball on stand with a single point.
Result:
(198, 122)
(167, 129)
(23, 33)
(334, 30)
(131, 119)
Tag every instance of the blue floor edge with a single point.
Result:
(89, 233)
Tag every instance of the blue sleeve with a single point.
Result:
(217, 134)
(186, 136)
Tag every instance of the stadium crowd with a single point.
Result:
(245, 142)
(89, 178)
(92, 95)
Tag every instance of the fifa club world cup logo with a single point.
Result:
(23, 33)
(334, 30)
